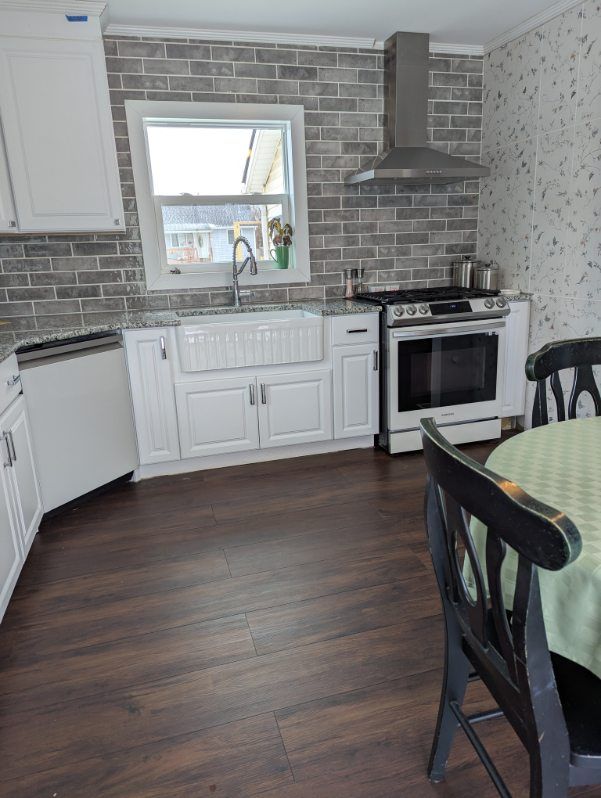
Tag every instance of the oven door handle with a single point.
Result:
(446, 331)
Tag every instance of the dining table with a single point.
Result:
(560, 464)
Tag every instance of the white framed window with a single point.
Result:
(206, 173)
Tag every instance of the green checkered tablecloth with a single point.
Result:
(560, 464)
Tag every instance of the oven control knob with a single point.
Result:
(398, 310)
(423, 309)
(489, 303)
(500, 302)
(411, 310)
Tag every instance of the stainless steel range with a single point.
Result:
(443, 352)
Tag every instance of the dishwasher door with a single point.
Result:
(81, 417)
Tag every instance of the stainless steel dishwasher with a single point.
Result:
(77, 395)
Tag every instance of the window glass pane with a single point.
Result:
(204, 234)
(208, 161)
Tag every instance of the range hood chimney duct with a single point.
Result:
(407, 158)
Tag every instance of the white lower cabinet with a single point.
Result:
(10, 551)
(153, 399)
(244, 413)
(516, 352)
(295, 408)
(217, 416)
(21, 482)
(356, 390)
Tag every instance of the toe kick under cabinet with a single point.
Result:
(182, 415)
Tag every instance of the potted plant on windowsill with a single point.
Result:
(281, 239)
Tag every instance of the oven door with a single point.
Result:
(452, 373)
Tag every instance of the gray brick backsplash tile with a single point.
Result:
(124, 65)
(188, 52)
(274, 56)
(401, 235)
(165, 66)
(221, 53)
(142, 49)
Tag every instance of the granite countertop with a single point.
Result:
(11, 341)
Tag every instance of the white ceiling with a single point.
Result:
(472, 22)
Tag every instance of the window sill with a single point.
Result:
(170, 282)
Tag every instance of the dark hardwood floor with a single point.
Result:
(271, 629)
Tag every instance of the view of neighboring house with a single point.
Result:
(203, 234)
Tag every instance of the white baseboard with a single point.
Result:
(255, 456)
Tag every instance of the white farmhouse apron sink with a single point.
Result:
(261, 338)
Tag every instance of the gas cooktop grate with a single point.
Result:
(450, 294)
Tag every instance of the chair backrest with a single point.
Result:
(509, 652)
(580, 354)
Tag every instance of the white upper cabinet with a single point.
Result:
(57, 125)
(8, 217)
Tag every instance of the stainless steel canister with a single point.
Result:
(486, 277)
(463, 272)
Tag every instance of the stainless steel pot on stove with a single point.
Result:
(463, 271)
(486, 276)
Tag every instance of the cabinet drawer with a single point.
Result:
(10, 384)
(357, 328)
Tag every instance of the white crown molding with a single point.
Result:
(81, 7)
(531, 23)
(239, 36)
(356, 42)
(459, 49)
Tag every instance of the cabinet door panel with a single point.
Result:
(22, 474)
(217, 416)
(356, 390)
(152, 395)
(10, 553)
(8, 219)
(516, 352)
(58, 132)
(295, 408)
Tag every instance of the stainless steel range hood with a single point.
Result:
(406, 157)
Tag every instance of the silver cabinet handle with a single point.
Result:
(13, 453)
(163, 348)
(14, 380)
(251, 390)
(376, 359)
(10, 460)
(263, 394)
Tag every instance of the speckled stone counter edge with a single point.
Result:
(162, 318)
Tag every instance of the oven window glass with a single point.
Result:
(447, 370)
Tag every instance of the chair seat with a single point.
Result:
(580, 694)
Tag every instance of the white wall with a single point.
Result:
(540, 210)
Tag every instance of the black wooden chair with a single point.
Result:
(580, 354)
(553, 704)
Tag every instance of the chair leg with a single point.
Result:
(549, 776)
(455, 679)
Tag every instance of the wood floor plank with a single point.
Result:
(341, 614)
(43, 738)
(385, 732)
(233, 761)
(95, 624)
(125, 582)
(336, 544)
(129, 662)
